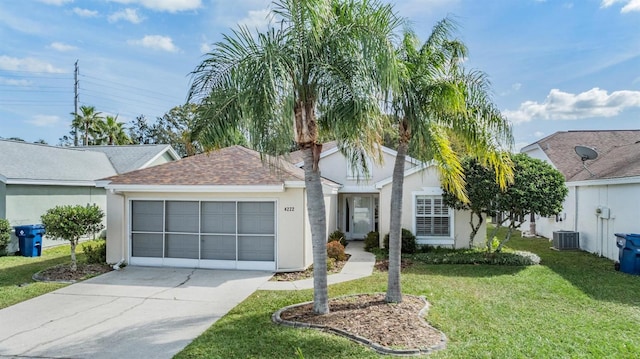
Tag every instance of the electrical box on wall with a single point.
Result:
(603, 212)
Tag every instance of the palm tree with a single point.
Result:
(321, 69)
(438, 107)
(85, 122)
(111, 132)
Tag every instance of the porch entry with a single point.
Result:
(359, 214)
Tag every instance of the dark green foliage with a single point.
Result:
(335, 250)
(72, 222)
(339, 236)
(409, 244)
(371, 241)
(96, 251)
(5, 236)
(476, 256)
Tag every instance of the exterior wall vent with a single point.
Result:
(566, 240)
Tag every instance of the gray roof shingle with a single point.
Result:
(22, 161)
(618, 153)
(129, 158)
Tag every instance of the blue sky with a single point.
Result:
(555, 65)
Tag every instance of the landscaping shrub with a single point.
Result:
(339, 236)
(371, 241)
(335, 250)
(96, 251)
(5, 236)
(475, 256)
(409, 244)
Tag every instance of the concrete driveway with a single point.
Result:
(133, 313)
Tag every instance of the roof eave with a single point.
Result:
(191, 188)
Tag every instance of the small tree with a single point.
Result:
(5, 236)
(72, 222)
(537, 188)
(481, 188)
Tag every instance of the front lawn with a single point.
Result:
(573, 305)
(16, 284)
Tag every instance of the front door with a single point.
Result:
(360, 215)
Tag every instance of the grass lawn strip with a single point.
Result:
(572, 305)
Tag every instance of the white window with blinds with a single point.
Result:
(433, 220)
(206, 234)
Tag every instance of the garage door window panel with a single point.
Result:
(148, 216)
(181, 246)
(218, 247)
(146, 245)
(256, 248)
(182, 217)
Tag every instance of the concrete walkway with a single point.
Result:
(137, 312)
(359, 265)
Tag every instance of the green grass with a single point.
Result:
(573, 305)
(16, 284)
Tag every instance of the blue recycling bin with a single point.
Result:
(629, 256)
(30, 239)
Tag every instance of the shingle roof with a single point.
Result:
(297, 156)
(129, 158)
(618, 153)
(21, 161)
(230, 166)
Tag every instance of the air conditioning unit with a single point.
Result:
(566, 240)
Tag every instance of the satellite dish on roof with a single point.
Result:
(586, 154)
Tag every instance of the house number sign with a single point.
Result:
(289, 209)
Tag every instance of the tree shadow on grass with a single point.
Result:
(255, 336)
(463, 270)
(593, 275)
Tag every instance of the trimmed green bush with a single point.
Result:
(371, 241)
(95, 251)
(475, 256)
(335, 250)
(339, 236)
(5, 236)
(409, 244)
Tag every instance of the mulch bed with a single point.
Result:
(63, 272)
(398, 326)
(308, 273)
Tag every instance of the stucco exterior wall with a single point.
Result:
(416, 183)
(25, 204)
(3, 200)
(292, 242)
(334, 167)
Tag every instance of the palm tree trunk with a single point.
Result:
(318, 222)
(394, 291)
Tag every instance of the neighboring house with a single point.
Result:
(227, 209)
(604, 193)
(35, 178)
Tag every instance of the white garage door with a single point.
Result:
(205, 234)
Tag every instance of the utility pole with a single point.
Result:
(75, 103)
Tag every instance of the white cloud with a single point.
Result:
(165, 5)
(62, 47)
(255, 19)
(44, 120)
(55, 2)
(127, 14)
(205, 47)
(538, 134)
(14, 82)
(561, 105)
(156, 42)
(629, 5)
(84, 12)
(27, 64)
